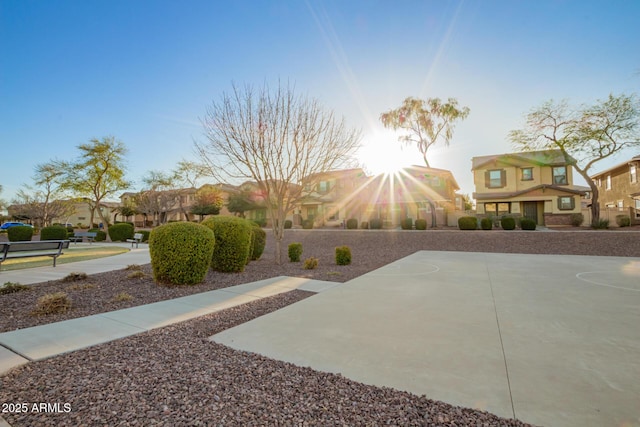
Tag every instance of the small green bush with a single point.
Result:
(307, 224)
(310, 263)
(145, 235)
(13, 287)
(20, 233)
(55, 232)
(467, 223)
(288, 224)
(508, 223)
(352, 224)
(294, 251)
(486, 223)
(120, 232)
(259, 242)
(364, 225)
(181, 252)
(601, 224)
(527, 224)
(421, 224)
(101, 236)
(406, 224)
(577, 219)
(233, 243)
(375, 223)
(343, 255)
(623, 220)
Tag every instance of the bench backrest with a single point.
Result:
(85, 234)
(37, 246)
(137, 236)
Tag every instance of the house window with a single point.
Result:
(633, 173)
(620, 204)
(332, 212)
(560, 175)
(637, 204)
(607, 184)
(495, 178)
(497, 208)
(527, 174)
(323, 186)
(566, 203)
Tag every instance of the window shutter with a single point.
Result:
(573, 202)
(503, 178)
(487, 179)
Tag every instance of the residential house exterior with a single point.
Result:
(536, 185)
(619, 190)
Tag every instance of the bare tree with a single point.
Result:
(277, 139)
(584, 135)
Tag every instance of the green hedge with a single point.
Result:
(54, 232)
(307, 224)
(421, 224)
(288, 224)
(467, 223)
(352, 224)
(100, 235)
(343, 255)
(364, 225)
(259, 242)
(508, 223)
(527, 224)
(623, 220)
(486, 223)
(406, 224)
(19, 233)
(145, 235)
(375, 223)
(120, 232)
(294, 251)
(233, 242)
(181, 252)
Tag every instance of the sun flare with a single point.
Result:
(385, 155)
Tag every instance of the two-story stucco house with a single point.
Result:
(619, 189)
(536, 185)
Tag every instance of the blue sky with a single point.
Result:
(145, 71)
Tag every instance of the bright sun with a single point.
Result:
(384, 154)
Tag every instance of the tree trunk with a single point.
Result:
(278, 254)
(595, 205)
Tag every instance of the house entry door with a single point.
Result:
(530, 210)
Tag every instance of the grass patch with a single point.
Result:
(70, 255)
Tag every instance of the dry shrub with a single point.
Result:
(55, 303)
(137, 274)
(11, 287)
(80, 287)
(75, 276)
(134, 267)
(310, 263)
(122, 296)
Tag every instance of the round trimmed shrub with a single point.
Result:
(421, 224)
(101, 236)
(259, 242)
(467, 223)
(120, 232)
(181, 252)
(364, 225)
(54, 232)
(145, 235)
(527, 224)
(233, 243)
(19, 233)
(352, 224)
(375, 223)
(288, 224)
(406, 224)
(294, 251)
(508, 223)
(307, 224)
(577, 219)
(343, 255)
(600, 224)
(486, 223)
(623, 220)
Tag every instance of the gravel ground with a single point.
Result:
(173, 376)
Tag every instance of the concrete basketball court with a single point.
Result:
(548, 339)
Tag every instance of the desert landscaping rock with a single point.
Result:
(174, 376)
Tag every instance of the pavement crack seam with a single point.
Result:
(504, 356)
(16, 352)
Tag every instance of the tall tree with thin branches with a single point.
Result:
(585, 135)
(425, 122)
(97, 174)
(277, 139)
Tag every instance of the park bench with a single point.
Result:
(52, 248)
(81, 235)
(137, 238)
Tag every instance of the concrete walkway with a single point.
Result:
(551, 340)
